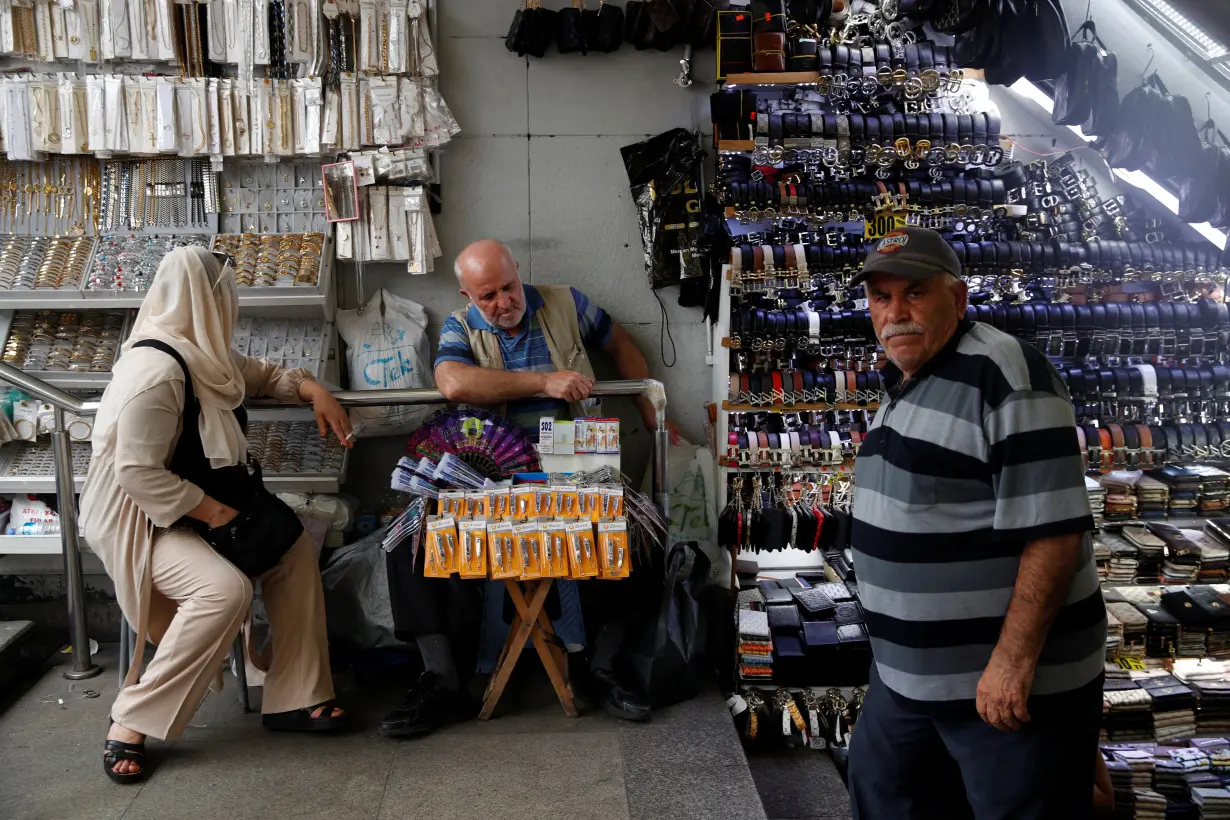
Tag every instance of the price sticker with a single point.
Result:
(883, 223)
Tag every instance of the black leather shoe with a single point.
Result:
(428, 706)
(619, 701)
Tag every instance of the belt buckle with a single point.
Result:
(903, 147)
(900, 78)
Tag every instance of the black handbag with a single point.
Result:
(570, 33)
(266, 527)
(604, 28)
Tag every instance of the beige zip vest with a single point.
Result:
(557, 318)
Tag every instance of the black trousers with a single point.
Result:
(907, 765)
(451, 607)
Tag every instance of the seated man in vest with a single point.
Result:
(511, 344)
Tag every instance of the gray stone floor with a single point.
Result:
(529, 761)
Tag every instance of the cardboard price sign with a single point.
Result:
(883, 223)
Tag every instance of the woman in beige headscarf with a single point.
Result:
(171, 586)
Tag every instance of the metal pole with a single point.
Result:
(66, 493)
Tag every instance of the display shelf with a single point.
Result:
(774, 78)
(725, 467)
(731, 407)
(35, 544)
(277, 483)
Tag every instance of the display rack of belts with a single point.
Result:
(867, 130)
(131, 128)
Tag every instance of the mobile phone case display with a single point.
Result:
(394, 225)
(289, 341)
(42, 266)
(45, 342)
(289, 447)
(261, 198)
(127, 262)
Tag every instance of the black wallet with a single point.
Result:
(820, 633)
(790, 584)
(836, 591)
(814, 601)
(776, 595)
(787, 646)
(848, 613)
(784, 617)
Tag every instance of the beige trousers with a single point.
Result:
(212, 599)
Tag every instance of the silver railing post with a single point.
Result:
(66, 494)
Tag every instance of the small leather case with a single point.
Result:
(836, 591)
(787, 646)
(851, 633)
(769, 52)
(790, 584)
(776, 595)
(768, 17)
(820, 633)
(803, 54)
(784, 617)
(734, 42)
(814, 601)
(848, 613)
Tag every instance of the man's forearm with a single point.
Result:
(1042, 582)
(475, 385)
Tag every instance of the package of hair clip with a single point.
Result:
(616, 562)
(528, 538)
(472, 562)
(441, 545)
(582, 558)
(502, 555)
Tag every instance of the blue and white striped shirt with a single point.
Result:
(525, 350)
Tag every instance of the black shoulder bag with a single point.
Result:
(266, 527)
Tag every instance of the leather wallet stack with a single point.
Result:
(734, 43)
(768, 35)
(1162, 633)
(1214, 715)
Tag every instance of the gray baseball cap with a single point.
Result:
(914, 253)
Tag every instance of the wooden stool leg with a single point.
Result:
(553, 657)
(517, 639)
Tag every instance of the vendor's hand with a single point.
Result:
(222, 516)
(329, 414)
(567, 385)
(212, 512)
(1003, 693)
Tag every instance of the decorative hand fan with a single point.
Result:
(489, 443)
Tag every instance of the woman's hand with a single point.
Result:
(213, 512)
(329, 414)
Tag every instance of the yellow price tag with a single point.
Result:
(883, 223)
(1131, 664)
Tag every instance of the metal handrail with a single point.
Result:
(66, 495)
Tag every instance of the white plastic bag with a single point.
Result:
(386, 348)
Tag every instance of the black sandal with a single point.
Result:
(116, 750)
(301, 720)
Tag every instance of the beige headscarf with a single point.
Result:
(193, 307)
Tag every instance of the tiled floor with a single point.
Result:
(530, 761)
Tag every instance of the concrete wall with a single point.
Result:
(537, 165)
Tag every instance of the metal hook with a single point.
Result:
(1208, 105)
(1088, 11)
(1152, 55)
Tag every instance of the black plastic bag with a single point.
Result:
(668, 659)
(570, 35)
(664, 177)
(604, 28)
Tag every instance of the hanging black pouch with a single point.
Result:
(570, 29)
(604, 28)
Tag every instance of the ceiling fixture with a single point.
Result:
(1137, 179)
(1210, 54)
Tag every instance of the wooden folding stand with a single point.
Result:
(529, 597)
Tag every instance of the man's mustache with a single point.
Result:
(901, 329)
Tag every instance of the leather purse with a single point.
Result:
(265, 527)
(734, 42)
(570, 29)
(784, 617)
(768, 17)
(848, 613)
(852, 633)
(819, 633)
(1073, 91)
(814, 601)
(776, 595)
(769, 52)
(804, 56)
(604, 27)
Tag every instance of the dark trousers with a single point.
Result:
(908, 765)
(451, 607)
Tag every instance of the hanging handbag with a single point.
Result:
(266, 527)
(604, 28)
(540, 28)
(570, 29)
(700, 28)
(516, 38)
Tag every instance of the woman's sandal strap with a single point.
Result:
(121, 750)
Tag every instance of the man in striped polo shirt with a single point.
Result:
(974, 564)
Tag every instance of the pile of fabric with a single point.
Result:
(1213, 717)
(1128, 712)
(1214, 803)
(755, 646)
